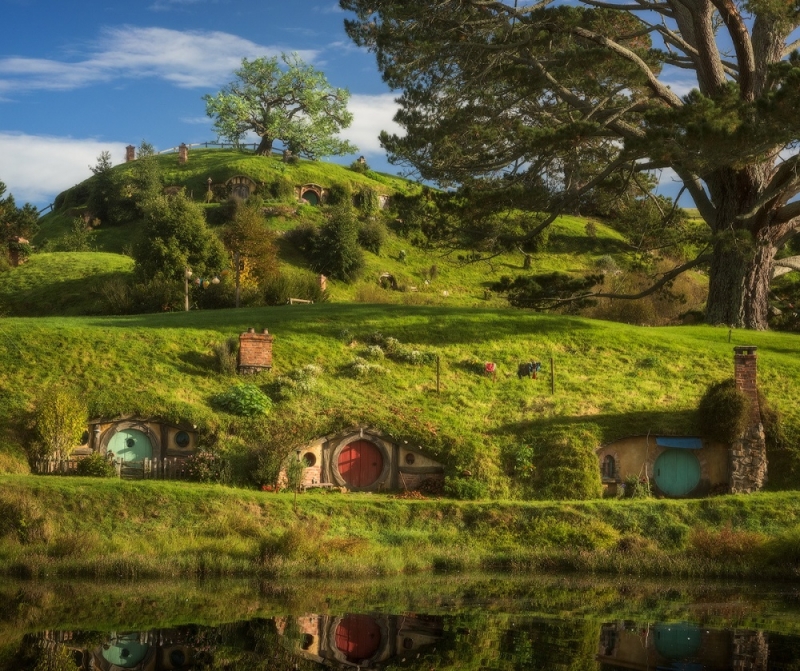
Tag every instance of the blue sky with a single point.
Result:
(81, 77)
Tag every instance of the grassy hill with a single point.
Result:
(611, 380)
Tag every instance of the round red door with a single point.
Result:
(358, 637)
(360, 463)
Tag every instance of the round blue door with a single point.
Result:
(677, 472)
(131, 445)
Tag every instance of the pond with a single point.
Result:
(472, 622)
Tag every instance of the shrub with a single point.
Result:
(337, 253)
(359, 367)
(96, 466)
(340, 194)
(374, 352)
(303, 237)
(726, 543)
(226, 354)
(722, 414)
(61, 419)
(634, 488)
(372, 236)
(205, 466)
(278, 290)
(566, 465)
(244, 399)
(465, 488)
(296, 383)
(368, 200)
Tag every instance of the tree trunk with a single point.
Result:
(739, 286)
(265, 147)
(741, 264)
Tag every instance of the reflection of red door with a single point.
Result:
(360, 463)
(358, 637)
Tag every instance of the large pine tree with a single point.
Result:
(505, 92)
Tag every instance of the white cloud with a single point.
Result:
(371, 115)
(36, 168)
(189, 59)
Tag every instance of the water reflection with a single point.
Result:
(413, 641)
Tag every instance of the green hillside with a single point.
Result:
(611, 380)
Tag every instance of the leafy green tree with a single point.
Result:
(247, 237)
(61, 419)
(174, 236)
(285, 100)
(337, 252)
(503, 93)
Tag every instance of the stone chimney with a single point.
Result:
(130, 153)
(255, 352)
(323, 282)
(748, 453)
(183, 153)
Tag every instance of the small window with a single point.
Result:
(408, 643)
(307, 642)
(310, 459)
(130, 442)
(182, 439)
(609, 467)
(410, 458)
(84, 438)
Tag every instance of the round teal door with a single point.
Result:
(677, 472)
(131, 445)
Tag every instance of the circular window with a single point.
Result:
(182, 439)
(130, 442)
(410, 458)
(310, 459)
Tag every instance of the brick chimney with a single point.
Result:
(130, 153)
(745, 372)
(749, 452)
(255, 352)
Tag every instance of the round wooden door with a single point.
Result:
(677, 472)
(358, 637)
(131, 445)
(360, 464)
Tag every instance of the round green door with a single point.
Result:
(677, 472)
(131, 445)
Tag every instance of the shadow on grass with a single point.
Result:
(66, 298)
(607, 427)
(411, 324)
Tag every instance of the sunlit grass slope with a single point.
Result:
(612, 379)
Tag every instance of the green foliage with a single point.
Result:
(96, 466)
(337, 253)
(368, 200)
(278, 290)
(361, 368)
(563, 464)
(17, 221)
(372, 235)
(61, 419)
(226, 354)
(469, 489)
(175, 236)
(106, 198)
(636, 488)
(244, 399)
(206, 466)
(723, 412)
(291, 102)
(79, 239)
(282, 188)
(340, 193)
(298, 382)
(548, 290)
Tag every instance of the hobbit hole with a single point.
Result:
(360, 464)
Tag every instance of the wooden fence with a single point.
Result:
(171, 468)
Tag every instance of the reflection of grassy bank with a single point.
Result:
(82, 527)
(485, 614)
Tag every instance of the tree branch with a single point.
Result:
(787, 265)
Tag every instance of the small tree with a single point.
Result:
(175, 235)
(61, 419)
(293, 103)
(106, 195)
(247, 237)
(337, 253)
